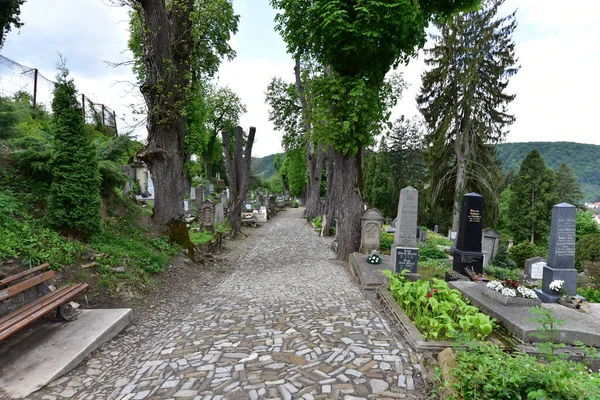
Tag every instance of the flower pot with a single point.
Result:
(511, 301)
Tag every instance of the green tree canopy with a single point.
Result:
(9, 17)
(568, 188)
(531, 200)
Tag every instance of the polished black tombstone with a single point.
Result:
(467, 252)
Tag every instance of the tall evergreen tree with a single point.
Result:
(74, 203)
(568, 188)
(464, 101)
(531, 200)
(380, 186)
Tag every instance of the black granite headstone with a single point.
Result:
(467, 253)
(407, 258)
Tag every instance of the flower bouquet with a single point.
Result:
(374, 258)
(511, 293)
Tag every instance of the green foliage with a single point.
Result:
(522, 251)
(386, 240)
(74, 202)
(503, 259)
(531, 200)
(466, 116)
(431, 252)
(318, 222)
(568, 189)
(200, 237)
(592, 295)
(380, 184)
(548, 332)
(435, 239)
(584, 159)
(9, 17)
(585, 224)
(223, 227)
(486, 372)
(438, 311)
(587, 249)
(503, 274)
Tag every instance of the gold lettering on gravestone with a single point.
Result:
(474, 215)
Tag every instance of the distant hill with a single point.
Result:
(263, 166)
(584, 159)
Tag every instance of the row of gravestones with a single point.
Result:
(468, 258)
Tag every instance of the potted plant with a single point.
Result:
(512, 293)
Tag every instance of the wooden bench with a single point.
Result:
(23, 316)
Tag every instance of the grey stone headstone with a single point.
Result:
(423, 236)
(262, 215)
(436, 229)
(192, 193)
(207, 214)
(406, 227)
(371, 229)
(490, 242)
(406, 258)
(219, 213)
(561, 253)
(534, 268)
(186, 205)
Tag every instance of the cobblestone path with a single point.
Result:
(287, 323)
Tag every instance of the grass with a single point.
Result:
(200, 237)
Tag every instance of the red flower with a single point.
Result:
(429, 295)
(435, 290)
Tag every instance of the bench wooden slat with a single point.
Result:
(22, 274)
(45, 307)
(22, 286)
(6, 320)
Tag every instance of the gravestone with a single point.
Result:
(489, 245)
(207, 188)
(371, 229)
(534, 268)
(192, 193)
(423, 235)
(436, 229)
(207, 215)
(186, 205)
(467, 252)
(219, 213)
(404, 252)
(262, 215)
(561, 254)
(452, 235)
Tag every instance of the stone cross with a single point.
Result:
(371, 229)
(404, 252)
(561, 254)
(467, 253)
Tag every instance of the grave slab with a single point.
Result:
(578, 326)
(32, 359)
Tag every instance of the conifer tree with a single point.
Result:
(568, 188)
(74, 203)
(531, 200)
(380, 187)
(464, 102)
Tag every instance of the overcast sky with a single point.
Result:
(557, 89)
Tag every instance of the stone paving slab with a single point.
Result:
(288, 323)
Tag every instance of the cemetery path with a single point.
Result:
(286, 323)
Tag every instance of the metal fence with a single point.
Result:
(16, 78)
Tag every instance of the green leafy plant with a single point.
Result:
(503, 273)
(548, 331)
(486, 372)
(587, 249)
(522, 251)
(591, 294)
(201, 237)
(386, 240)
(317, 222)
(430, 252)
(438, 311)
(503, 260)
(435, 239)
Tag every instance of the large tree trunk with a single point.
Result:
(346, 202)
(166, 36)
(315, 156)
(238, 168)
(334, 189)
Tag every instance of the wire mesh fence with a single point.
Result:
(17, 79)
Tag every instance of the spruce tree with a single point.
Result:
(464, 101)
(531, 200)
(74, 202)
(568, 188)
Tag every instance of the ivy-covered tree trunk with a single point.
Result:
(167, 50)
(238, 169)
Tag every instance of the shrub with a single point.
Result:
(592, 295)
(318, 222)
(438, 311)
(74, 202)
(503, 273)
(200, 237)
(587, 249)
(503, 260)
(521, 252)
(431, 252)
(486, 372)
(435, 239)
(386, 241)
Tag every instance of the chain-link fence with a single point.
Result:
(16, 79)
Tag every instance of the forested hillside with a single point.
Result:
(584, 159)
(263, 166)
